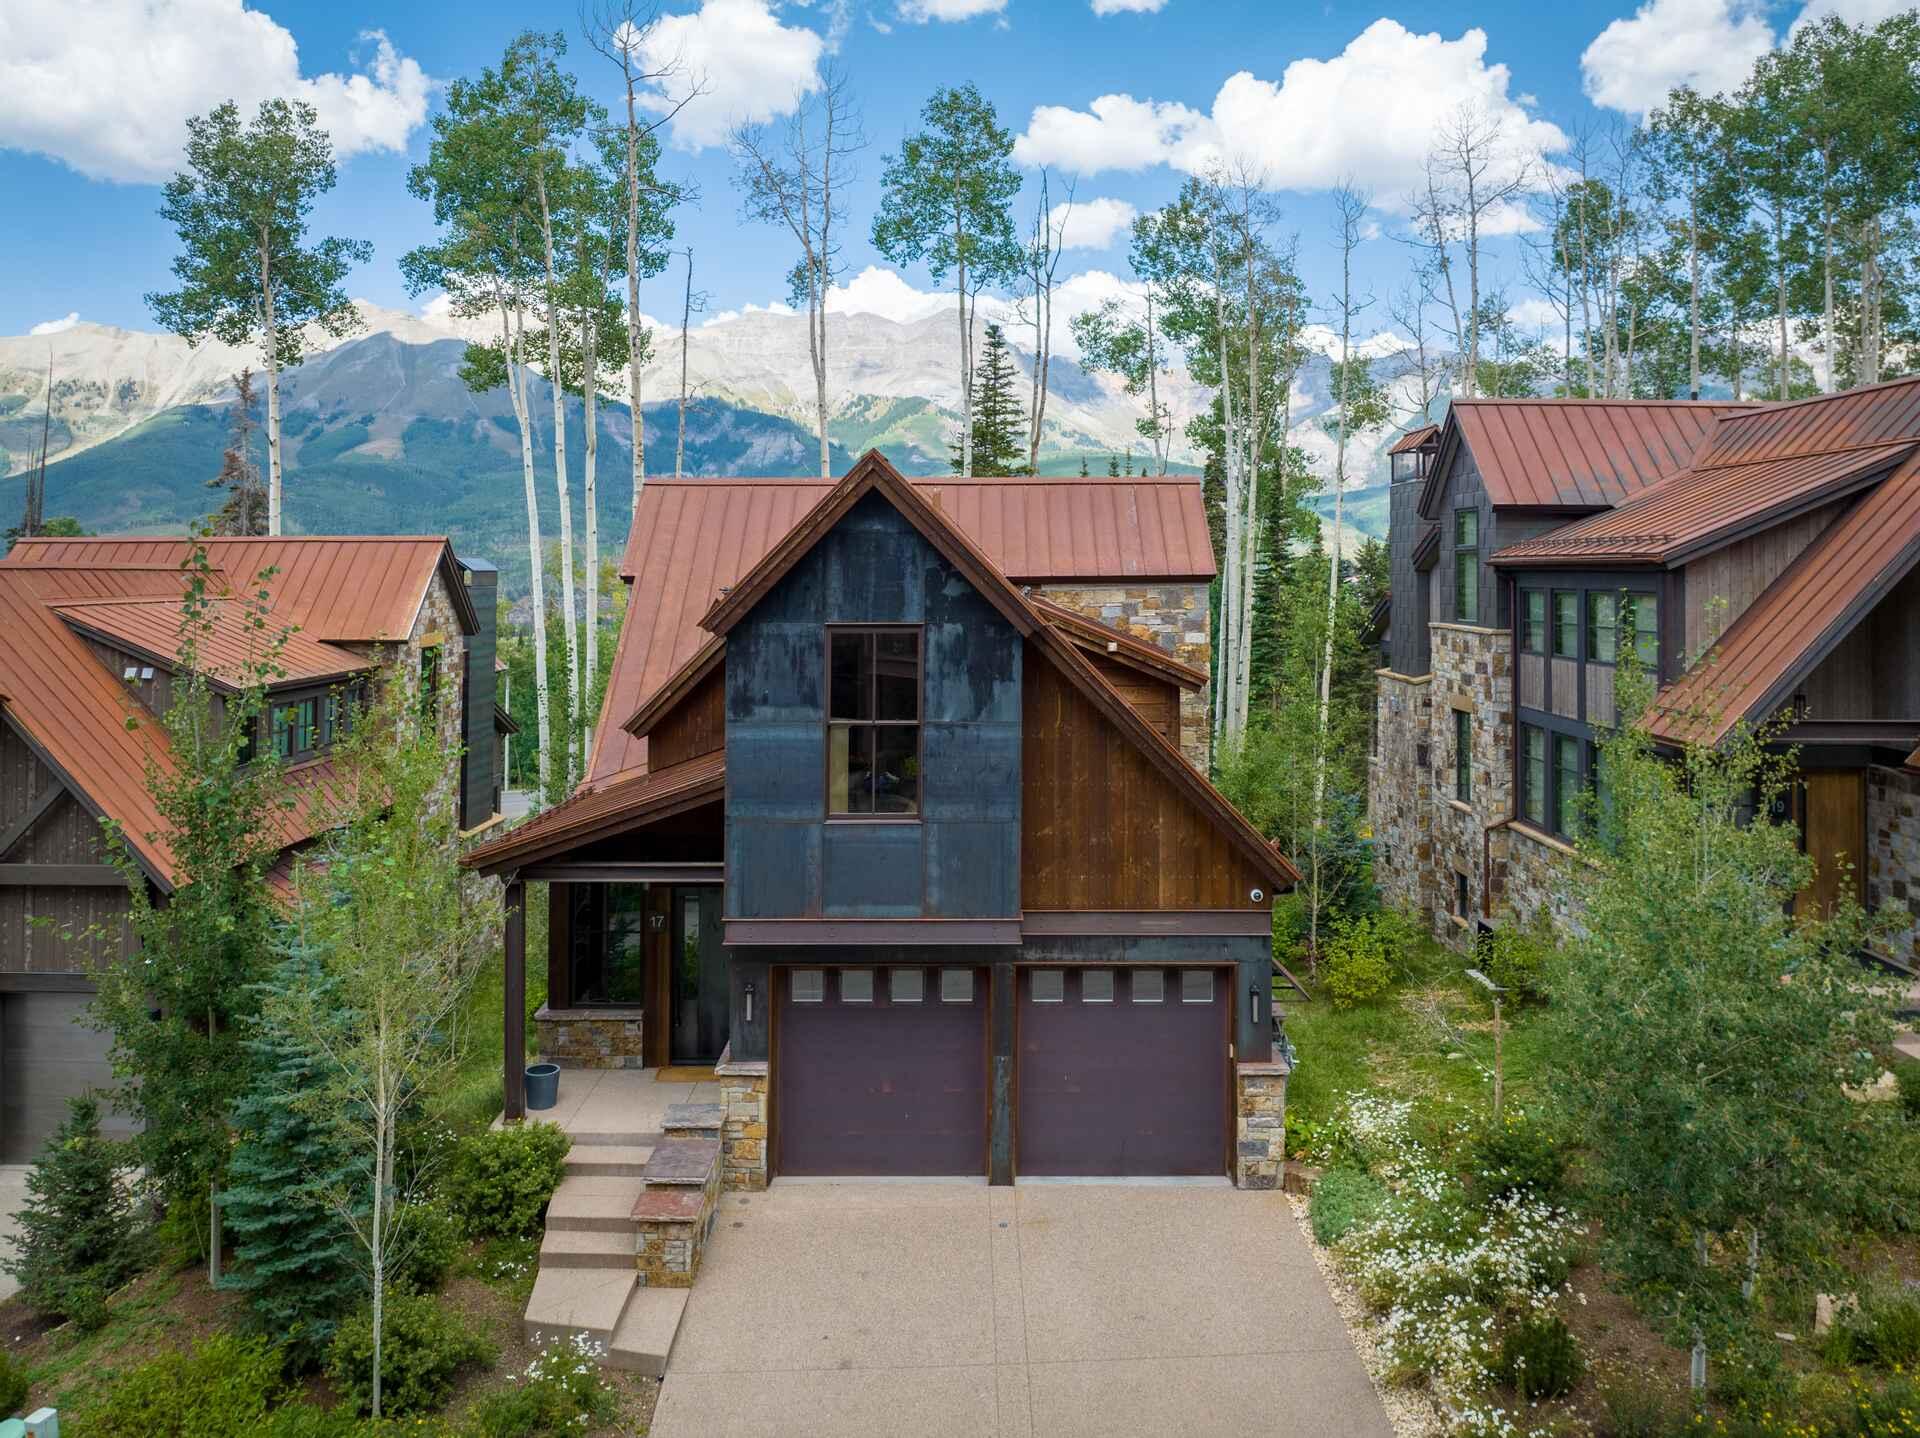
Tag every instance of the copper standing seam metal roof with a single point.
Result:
(1574, 454)
(693, 538)
(1414, 438)
(354, 587)
(1799, 618)
(230, 649)
(1698, 509)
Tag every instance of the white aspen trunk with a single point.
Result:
(686, 323)
(569, 611)
(1826, 267)
(589, 342)
(1586, 306)
(1229, 581)
(377, 1246)
(817, 343)
(1780, 289)
(1333, 603)
(517, 390)
(1693, 289)
(1153, 390)
(273, 389)
(1250, 477)
(213, 1235)
(634, 331)
(966, 348)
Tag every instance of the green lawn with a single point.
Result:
(1430, 1040)
(470, 1099)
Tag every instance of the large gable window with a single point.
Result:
(873, 722)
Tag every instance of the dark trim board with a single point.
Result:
(1050, 923)
(47, 983)
(35, 811)
(799, 933)
(618, 873)
(65, 876)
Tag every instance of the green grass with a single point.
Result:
(471, 1097)
(1430, 1039)
(78, 1367)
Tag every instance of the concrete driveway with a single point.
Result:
(1050, 1311)
(13, 1198)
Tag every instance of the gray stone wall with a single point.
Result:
(1260, 1126)
(1893, 859)
(1400, 796)
(599, 1038)
(1171, 616)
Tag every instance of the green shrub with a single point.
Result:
(1632, 1405)
(1907, 1074)
(1539, 1358)
(222, 1389)
(1342, 1200)
(13, 1385)
(498, 1182)
(79, 1236)
(422, 1347)
(1363, 957)
(1517, 959)
(427, 1239)
(1517, 1155)
(561, 1392)
(1883, 1331)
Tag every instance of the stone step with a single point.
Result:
(588, 1203)
(609, 1160)
(684, 1120)
(615, 1138)
(567, 1301)
(682, 1161)
(643, 1340)
(563, 1248)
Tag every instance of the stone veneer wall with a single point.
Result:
(1170, 616)
(743, 1134)
(671, 1230)
(1429, 835)
(591, 1038)
(1893, 858)
(1531, 880)
(1260, 1125)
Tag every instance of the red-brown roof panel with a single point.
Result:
(229, 650)
(1875, 415)
(1798, 619)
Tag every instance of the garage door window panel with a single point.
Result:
(1096, 986)
(856, 986)
(1196, 986)
(956, 986)
(809, 986)
(1149, 986)
(906, 986)
(1049, 986)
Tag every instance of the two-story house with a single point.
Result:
(89, 655)
(898, 812)
(1756, 560)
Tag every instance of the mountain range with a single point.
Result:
(381, 435)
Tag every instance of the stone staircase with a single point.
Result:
(626, 1231)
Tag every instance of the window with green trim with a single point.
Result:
(296, 728)
(1533, 621)
(1533, 773)
(1462, 755)
(1603, 627)
(1466, 566)
(1643, 623)
(1567, 783)
(1566, 624)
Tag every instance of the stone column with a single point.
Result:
(1260, 1124)
(743, 1132)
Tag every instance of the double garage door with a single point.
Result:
(884, 1071)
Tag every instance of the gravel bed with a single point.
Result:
(1412, 1413)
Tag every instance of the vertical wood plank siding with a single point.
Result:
(47, 928)
(1721, 585)
(1153, 700)
(1566, 688)
(1599, 694)
(696, 725)
(1533, 681)
(1101, 828)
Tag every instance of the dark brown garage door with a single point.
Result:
(48, 1054)
(881, 1071)
(1122, 1072)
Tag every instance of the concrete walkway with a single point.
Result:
(13, 1198)
(1071, 1311)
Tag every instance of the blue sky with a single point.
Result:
(94, 93)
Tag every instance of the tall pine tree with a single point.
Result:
(298, 1260)
(999, 423)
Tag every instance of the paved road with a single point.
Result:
(1034, 1312)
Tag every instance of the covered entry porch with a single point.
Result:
(628, 880)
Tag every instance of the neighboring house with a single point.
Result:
(89, 651)
(887, 817)
(1757, 558)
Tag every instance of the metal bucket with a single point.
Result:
(543, 1085)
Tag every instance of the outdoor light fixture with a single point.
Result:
(749, 993)
(1253, 996)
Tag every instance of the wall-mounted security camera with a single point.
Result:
(1257, 895)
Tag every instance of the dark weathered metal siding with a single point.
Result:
(1407, 637)
(961, 860)
(476, 717)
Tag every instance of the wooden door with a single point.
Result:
(1833, 825)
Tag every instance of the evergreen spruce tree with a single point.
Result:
(1083, 466)
(298, 1259)
(999, 423)
(79, 1236)
(1113, 466)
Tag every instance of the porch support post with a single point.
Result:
(515, 1025)
(1000, 1076)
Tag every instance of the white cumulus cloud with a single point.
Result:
(920, 12)
(877, 290)
(1708, 44)
(746, 65)
(1091, 224)
(107, 86)
(1368, 115)
(1854, 12)
(54, 327)
(1128, 7)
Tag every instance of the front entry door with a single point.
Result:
(699, 984)
(1833, 822)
